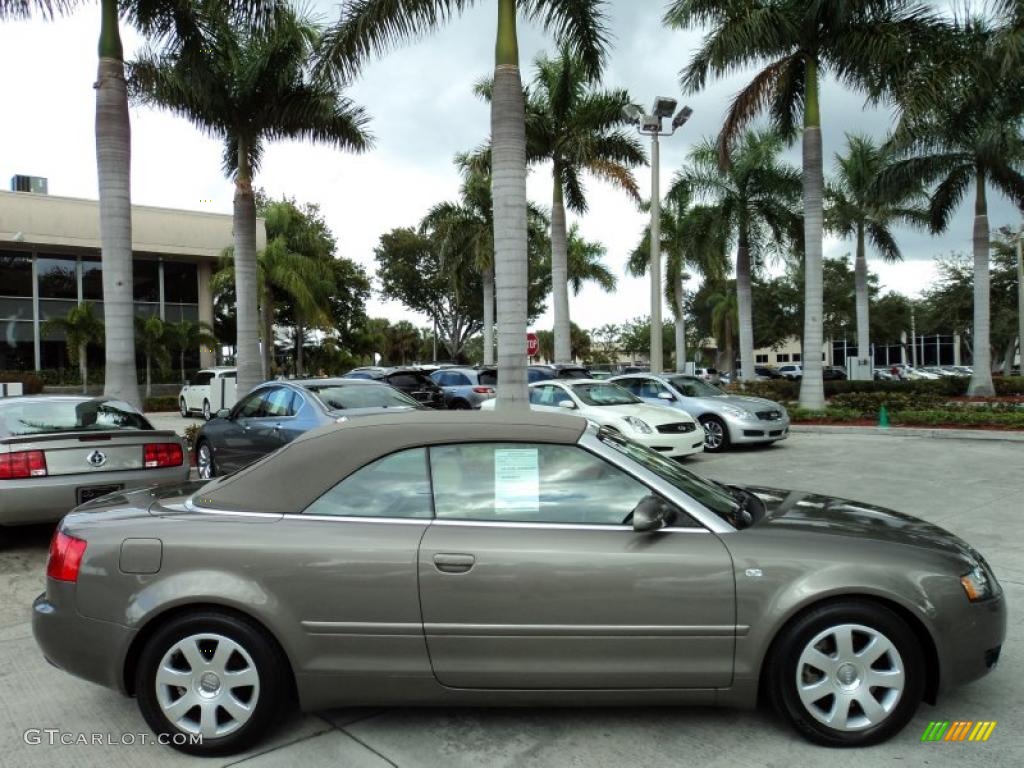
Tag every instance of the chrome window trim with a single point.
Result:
(447, 522)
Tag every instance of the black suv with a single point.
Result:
(415, 383)
(557, 371)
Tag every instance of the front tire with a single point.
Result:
(182, 408)
(206, 410)
(716, 434)
(212, 675)
(848, 674)
(206, 466)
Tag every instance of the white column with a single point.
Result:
(207, 356)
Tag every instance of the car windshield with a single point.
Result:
(29, 417)
(715, 497)
(604, 394)
(341, 398)
(691, 387)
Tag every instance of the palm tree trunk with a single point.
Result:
(83, 368)
(149, 376)
(560, 273)
(730, 356)
(247, 350)
(300, 338)
(981, 378)
(812, 387)
(508, 132)
(744, 304)
(860, 270)
(181, 364)
(1011, 347)
(113, 166)
(680, 324)
(489, 315)
(267, 321)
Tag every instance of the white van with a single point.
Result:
(210, 390)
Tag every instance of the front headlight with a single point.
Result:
(978, 584)
(737, 413)
(639, 425)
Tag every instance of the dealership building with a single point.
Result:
(50, 260)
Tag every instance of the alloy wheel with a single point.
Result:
(183, 408)
(714, 434)
(850, 677)
(204, 461)
(206, 409)
(207, 684)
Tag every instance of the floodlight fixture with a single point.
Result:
(664, 106)
(681, 117)
(633, 113)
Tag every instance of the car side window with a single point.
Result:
(202, 379)
(252, 405)
(280, 403)
(456, 379)
(528, 483)
(636, 386)
(393, 486)
(652, 388)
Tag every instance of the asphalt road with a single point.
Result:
(974, 488)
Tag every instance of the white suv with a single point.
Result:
(791, 372)
(211, 390)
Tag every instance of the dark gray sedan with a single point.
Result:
(277, 412)
(464, 559)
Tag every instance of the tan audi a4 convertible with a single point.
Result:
(463, 558)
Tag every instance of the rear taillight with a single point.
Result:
(65, 557)
(21, 464)
(162, 455)
(484, 390)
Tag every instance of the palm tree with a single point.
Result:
(81, 328)
(863, 43)
(370, 26)
(970, 137)
(151, 339)
(248, 87)
(859, 208)
(161, 20)
(185, 336)
(584, 265)
(575, 125)
(751, 200)
(693, 242)
(724, 306)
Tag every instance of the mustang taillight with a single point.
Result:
(162, 455)
(65, 557)
(21, 464)
(484, 390)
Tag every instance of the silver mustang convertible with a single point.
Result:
(469, 558)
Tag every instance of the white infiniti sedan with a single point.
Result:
(668, 431)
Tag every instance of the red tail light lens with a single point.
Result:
(65, 557)
(21, 464)
(484, 390)
(162, 455)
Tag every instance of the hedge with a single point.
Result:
(31, 384)
(963, 417)
(163, 403)
(783, 389)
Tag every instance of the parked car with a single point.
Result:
(833, 373)
(670, 432)
(727, 419)
(464, 388)
(793, 371)
(277, 412)
(210, 390)
(884, 374)
(544, 372)
(707, 374)
(412, 381)
(57, 452)
(767, 372)
(483, 558)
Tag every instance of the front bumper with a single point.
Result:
(672, 445)
(743, 432)
(87, 648)
(48, 499)
(972, 644)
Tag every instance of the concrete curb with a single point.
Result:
(948, 434)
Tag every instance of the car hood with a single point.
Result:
(742, 402)
(810, 512)
(652, 414)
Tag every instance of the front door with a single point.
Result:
(532, 577)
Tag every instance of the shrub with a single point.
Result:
(31, 384)
(869, 403)
(191, 431)
(163, 403)
(1009, 385)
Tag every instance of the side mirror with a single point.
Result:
(651, 514)
(567, 404)
(666, 396)
(223, 413)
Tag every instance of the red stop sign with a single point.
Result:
(532, 344)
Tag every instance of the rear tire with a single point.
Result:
(183, 409)
(459, 405)
(206, 466)
(233, 682)
(716, 434)
(874, 679)
(206, 410)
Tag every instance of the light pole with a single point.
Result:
(651, 125)
(1020, 298)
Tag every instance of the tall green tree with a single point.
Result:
(151, 340)
(372, 26)
(248, 87)
(81, 328)
(585, 263)
(862, 43)
(187, 336)
(969, 139)
(576, 125)
(861, 208)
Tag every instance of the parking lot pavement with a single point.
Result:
(974, 488)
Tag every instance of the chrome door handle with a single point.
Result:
(453, 563)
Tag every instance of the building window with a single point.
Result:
(796, 357)
(782, 357)
(760, 358)
(15, 274)
(146, 279)
(17, 348)
(58, 277)
(181, 284)
(92, 280)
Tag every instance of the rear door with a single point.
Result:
(531, 577)
(198, 390)
(234, 439)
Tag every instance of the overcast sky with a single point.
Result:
(423, 112)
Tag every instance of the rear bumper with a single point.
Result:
(87, 648)
(48, 499)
